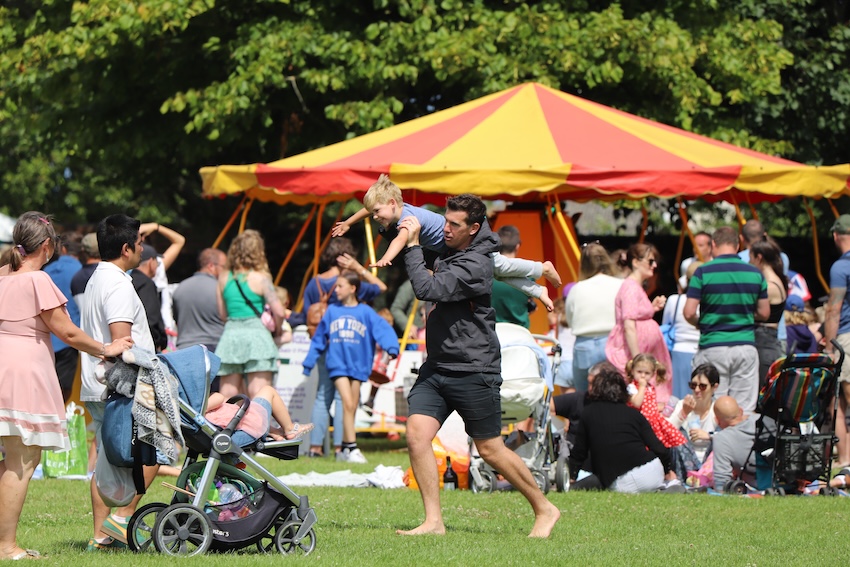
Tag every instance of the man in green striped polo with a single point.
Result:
(726, 296)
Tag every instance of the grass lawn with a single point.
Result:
(357, 526)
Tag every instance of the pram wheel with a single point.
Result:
(182, 530)
(140, 526)
(828, 491)
(541, 479)
(487, 484)
(267, 543)
(736, 487)
(286, 542)
(562, 474)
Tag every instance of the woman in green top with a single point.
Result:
(246, 347)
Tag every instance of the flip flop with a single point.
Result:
(27, 554)
(298, 430)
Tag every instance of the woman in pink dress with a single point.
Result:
(635, 331)
(32, 413)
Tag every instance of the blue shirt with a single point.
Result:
(431, 234)
(348, 335)
(839, 278)
(61, 271)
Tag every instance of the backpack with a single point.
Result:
(317, 310)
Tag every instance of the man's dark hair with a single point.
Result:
(113, 233)
(509, 235)
(608, 386)
(725, 235)
(470, 204)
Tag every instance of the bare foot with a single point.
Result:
(551, 274)
(544, 299)
(425, 529)
(545, 521)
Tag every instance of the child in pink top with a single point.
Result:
(255, 423)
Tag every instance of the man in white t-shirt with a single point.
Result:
(112, 310)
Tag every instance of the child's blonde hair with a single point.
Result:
(805, 317)
(381, 192)
(660, 369)
(282, 295)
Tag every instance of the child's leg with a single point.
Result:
(531, 289)
(504, 267)
(349, 391)
(231, 385)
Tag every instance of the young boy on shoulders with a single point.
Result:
(383, 201)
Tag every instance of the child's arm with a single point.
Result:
(397, 245)
(214, 401)
(636, 399)
(342, 227)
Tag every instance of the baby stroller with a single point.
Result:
(217, 505)
(527, 380)
(798, 451)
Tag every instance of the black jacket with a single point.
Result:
(460, 333)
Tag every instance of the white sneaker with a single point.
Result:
(355, 456)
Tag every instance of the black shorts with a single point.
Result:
(66, 367)
(475, 397)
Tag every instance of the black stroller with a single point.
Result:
(216, 504)
(798, 451)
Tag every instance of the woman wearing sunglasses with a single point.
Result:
(695, 412)
(635, 331)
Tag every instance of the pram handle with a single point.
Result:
(840, 360)
(240, 413)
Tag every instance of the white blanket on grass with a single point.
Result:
(381, 477)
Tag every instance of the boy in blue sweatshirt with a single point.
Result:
(348, 333)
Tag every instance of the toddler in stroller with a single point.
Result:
(526, 391)
(216, 504)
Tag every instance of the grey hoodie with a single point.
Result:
(461, 330)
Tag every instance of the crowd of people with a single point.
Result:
(643, 409)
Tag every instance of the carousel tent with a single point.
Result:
(530, 143)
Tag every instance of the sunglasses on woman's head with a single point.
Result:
(695, 385)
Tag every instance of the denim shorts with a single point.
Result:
(475, 397)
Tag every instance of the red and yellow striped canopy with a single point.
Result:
(530, 143)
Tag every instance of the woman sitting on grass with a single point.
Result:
(625, 454)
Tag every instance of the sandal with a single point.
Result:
(298, 430)
(26, 554)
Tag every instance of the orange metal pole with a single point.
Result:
(815, 246)
(645, 222)
(230, 222)
(295, 244)
(245, 215)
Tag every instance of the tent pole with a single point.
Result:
(370, 244)
(741, 221)
(683, 216)
(645, 223)
(245, 215)
(295, 244)
(318, 244)
(230, 221)
(815, 245)
(568, 231)
(832, 206)
(753, 211)
(559, 243)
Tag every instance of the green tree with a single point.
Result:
(115, 104)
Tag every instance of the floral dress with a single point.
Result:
(632, 303)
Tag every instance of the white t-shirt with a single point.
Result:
(590, 305)
(110, 298)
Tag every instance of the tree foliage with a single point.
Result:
(114, 104)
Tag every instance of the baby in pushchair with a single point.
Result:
(527, 383)
(217, 505)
